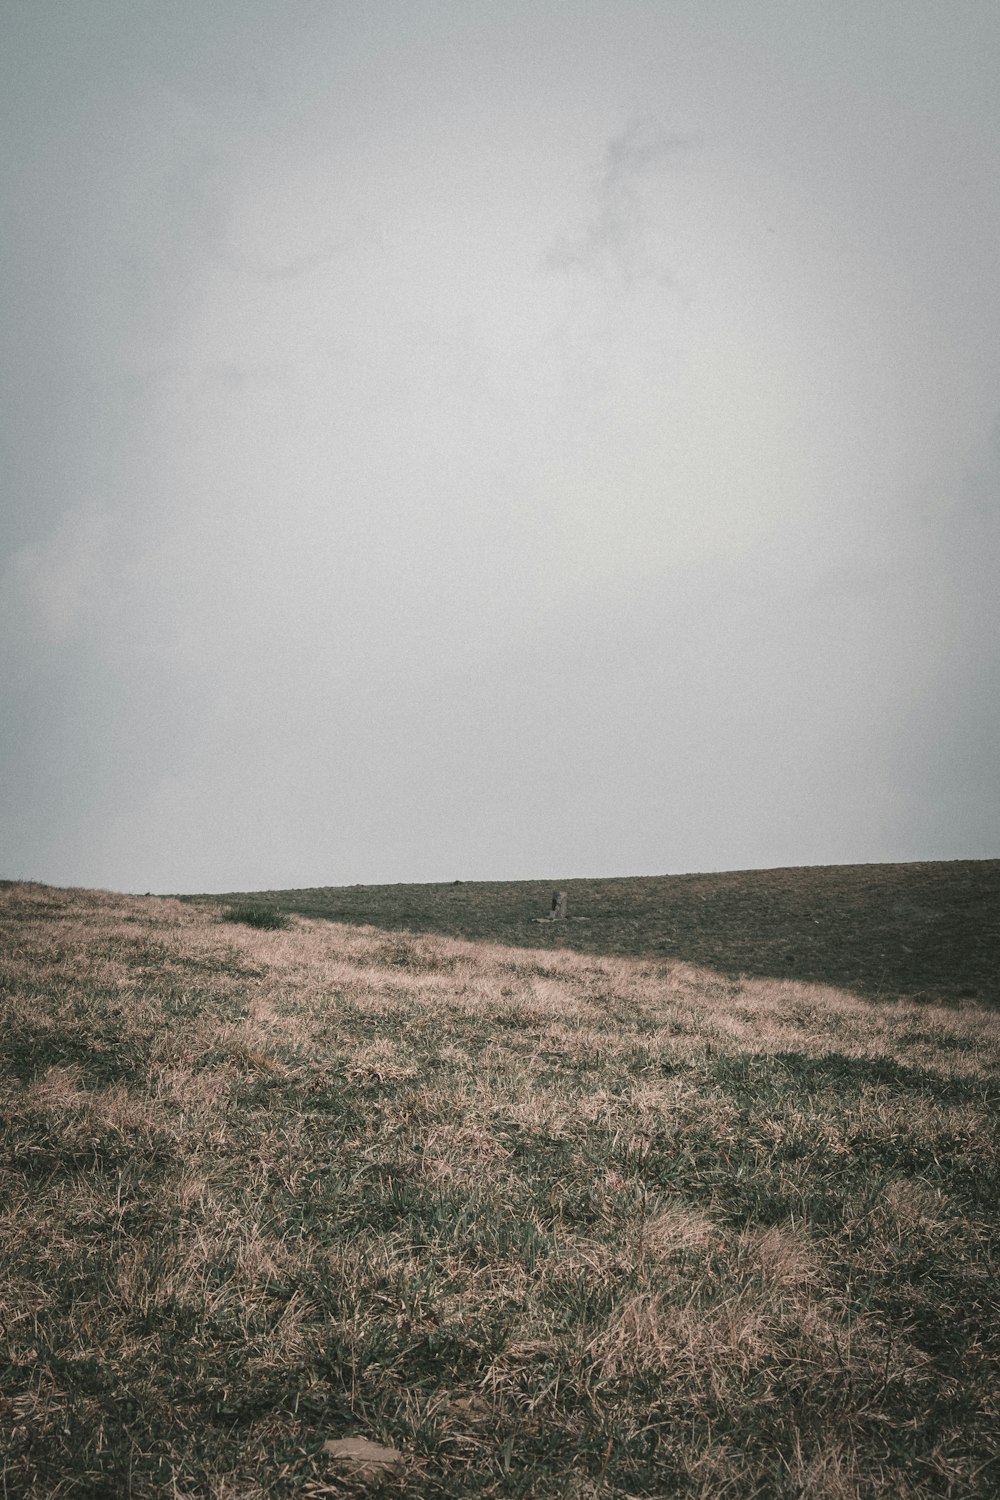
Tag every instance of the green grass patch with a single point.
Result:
(257, 914)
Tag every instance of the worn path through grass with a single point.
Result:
(547, 1223)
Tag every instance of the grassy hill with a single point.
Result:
(930, 930)
(539, 1222)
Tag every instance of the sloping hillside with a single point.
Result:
(537, 1223)
(931, 931)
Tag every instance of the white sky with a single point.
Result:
(446, 439)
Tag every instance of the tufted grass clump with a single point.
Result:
(255, 914)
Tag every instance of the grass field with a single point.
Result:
(930, 931)
(545, 1222)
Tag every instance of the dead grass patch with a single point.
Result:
(545, 1223)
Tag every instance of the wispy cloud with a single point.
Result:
(617, 242)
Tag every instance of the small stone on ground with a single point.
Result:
(365, 1459)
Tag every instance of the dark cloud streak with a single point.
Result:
(616, 241)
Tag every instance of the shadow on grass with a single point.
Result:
(779, 1075)
(931, 931)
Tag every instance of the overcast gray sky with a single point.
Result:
(447, 439)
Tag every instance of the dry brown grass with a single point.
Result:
(548, 1222)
